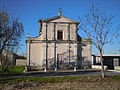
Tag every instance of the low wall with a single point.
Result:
(20, 62)
(99, 67)
(116, 67)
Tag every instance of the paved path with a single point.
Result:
(65, 73)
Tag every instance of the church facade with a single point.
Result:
(58, 45)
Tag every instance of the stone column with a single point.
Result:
(46, 48)
(54, 32)
(54, 47)
(69, 53)
(46, 33)
(69, 43)
(55, 57)
(76, 32)
(75, 56)
(45, 56)
(28, 54)
(89, 54)
(68, 31)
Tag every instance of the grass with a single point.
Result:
(56, 79)
(60, 83)
(38, 79)
(13, 70)
(115, 77)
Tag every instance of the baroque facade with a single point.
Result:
(58, 45)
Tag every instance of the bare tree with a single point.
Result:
(11, 32)
(99, 28)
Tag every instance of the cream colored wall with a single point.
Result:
(86, 53)
(64, 50)
(73, 34)
(61, 48)
(50, 31)
(50, 55)
(27, 54)
(43, 31)
(21, 62)
(74, 52)
(59, 26)
(36, 54)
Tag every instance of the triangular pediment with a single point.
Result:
(60, 19)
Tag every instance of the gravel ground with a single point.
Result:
(78, 84)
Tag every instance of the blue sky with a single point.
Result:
(30, 11)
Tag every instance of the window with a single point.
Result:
(59, 35)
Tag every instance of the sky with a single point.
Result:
(30, 11)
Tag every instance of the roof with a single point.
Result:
(58, 17)
(21, 57)
(111, 55)
(86, 41)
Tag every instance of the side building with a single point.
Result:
(111, 61)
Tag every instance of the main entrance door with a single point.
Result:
(60, 61)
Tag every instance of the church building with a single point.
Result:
(58, 45)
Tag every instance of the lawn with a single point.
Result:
(57, 79)
(38, 79)
(61, 83)
(57, 83)
(13, 70)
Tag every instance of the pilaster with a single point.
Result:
(75, 54)
(68, 31)
(54, 32)
(45, 59)
(28, 53)
(46, 32)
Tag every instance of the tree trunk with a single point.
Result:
(102, 66)
(1, 59)
(4, 62)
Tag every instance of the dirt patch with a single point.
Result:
(86, 83)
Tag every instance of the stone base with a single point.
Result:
(45, 69)
(26, 69)
(55, 69)
(75, 69)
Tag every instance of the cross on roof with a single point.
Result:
(60, 12)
